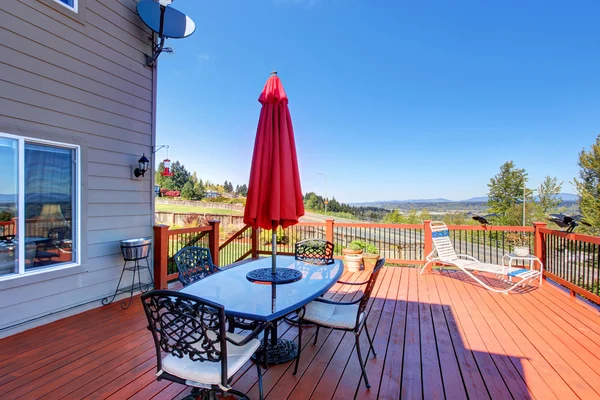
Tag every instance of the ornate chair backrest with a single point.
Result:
(440, 236)
(315, 251)
(362, 306)
(187, 326)
(194, 263)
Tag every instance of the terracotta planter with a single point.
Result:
(350, 251)
(369, 261)
(353, 262)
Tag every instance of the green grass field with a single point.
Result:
(198, 210)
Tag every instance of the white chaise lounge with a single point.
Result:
(443, 253)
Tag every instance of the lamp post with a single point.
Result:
(525, 197)
(326, 199)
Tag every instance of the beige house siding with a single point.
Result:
(80, 79)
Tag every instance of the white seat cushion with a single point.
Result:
(333, 315)
(208, 372)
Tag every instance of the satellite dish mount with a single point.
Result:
(165, 21)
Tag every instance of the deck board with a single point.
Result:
(436, 336)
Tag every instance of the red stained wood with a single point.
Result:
(436, 335)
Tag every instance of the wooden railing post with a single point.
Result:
(213, 241)
(161, 256)
(329, 230)
(539, 245)
(254, 242)
(427, 241)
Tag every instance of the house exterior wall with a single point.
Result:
(80, 78)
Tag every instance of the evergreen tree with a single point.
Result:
(199, 190)
(243, 190)
(180, 175)
(187, 192)
(588, 187)
(548, 195)
(506, 194)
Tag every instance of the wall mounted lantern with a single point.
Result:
(142, 166)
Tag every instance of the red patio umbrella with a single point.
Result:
(274, 193)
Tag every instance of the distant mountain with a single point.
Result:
(480, 199)
(421, 201)
(438, 200)
(568, 197)
(8, 198)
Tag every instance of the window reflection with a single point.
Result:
(8, 206)
(49, 177)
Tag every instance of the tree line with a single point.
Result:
(188, 186)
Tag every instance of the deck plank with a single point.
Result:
(449, 367)
(436, 335)
(379, 321)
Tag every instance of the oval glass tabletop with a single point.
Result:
(266, 302)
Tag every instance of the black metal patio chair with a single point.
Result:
(314, 251)
(194, 263)
(193, 346)
(347, 316)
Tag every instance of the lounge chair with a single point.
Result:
(443, 253)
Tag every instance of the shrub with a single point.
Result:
(357, 245)
(371, 249)
(172, 193)
(191, 220)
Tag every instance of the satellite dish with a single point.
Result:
(166, 21)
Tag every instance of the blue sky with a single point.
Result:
(389, 99)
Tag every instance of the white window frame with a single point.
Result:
(21, 206)
(74, 8)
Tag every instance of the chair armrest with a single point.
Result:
(353, 283)
(468, 257)
(341, 303)
(259, 328)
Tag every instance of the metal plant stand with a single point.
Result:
(134, 250)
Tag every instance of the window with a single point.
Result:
(72, 4)
(38, 205)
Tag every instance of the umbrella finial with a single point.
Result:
(273, 72)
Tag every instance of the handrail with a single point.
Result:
(167, 243)
(410, 244)
(572, 236)
(235, 236)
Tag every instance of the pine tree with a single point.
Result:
(588, 187)
(548, 192)
(187, 192)
(505, 195)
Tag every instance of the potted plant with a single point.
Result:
(353, 255)
(354, 247)
(520, 243)
(370, 257)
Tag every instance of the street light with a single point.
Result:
(326, 199)
(525, 197)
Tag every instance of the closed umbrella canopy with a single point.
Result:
(274, 192)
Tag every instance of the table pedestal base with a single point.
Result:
(282, 352)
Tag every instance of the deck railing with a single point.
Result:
(168, 242)
(8, 228)
(569, 259)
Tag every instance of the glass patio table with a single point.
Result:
(267, 302)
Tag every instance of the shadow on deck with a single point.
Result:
(437, 336)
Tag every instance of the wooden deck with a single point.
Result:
(437, 336)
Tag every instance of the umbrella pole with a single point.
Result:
(274, 250)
